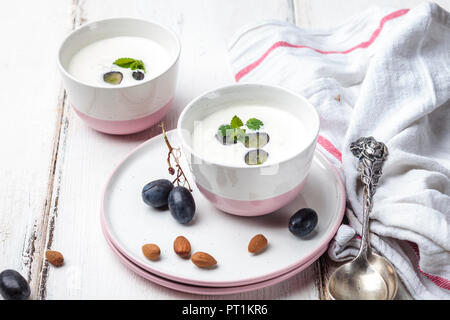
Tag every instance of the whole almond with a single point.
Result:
(257, 244)
(203, 260)
(182, 247)
(54, 257)
(151, 251)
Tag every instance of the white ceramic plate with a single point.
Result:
(129, 223)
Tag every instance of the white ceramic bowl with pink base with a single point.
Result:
(242, 189)
(127, 108)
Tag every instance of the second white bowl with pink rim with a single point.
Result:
(128, 107)
(251, 190)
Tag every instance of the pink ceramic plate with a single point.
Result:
(207, 290)
(129, 224)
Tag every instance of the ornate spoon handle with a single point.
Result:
(371, 155)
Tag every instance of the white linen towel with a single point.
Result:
(383, 73)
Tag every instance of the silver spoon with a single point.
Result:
(369, 276)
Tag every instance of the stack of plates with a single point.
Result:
(128, 223)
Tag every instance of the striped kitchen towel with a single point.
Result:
(383, 73)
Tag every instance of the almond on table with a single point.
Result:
(151, 251)
(203, 260)
(257, 244)
(54, 257)
(182, 247)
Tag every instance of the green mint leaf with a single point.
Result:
(231, 134)
(239, 134)
(141, 65)
(124, 62)
(254, 124)
(223, 129)
(133, 64)
(236, 122)
(138, 64)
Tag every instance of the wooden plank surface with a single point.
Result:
(53, 167)
(30, 98)
(86, 158)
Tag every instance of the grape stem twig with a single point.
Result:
(175, 155)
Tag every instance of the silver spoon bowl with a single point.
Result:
(369, 276)
(373, 278)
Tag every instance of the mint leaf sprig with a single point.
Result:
(254, 124)
(223, 129)
(236, 122)
(130, 63)
(232, 133)
(229, 135)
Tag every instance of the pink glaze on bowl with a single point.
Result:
(124, 126)
(251, 207)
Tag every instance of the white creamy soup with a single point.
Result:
(91, 62)
(286, 134)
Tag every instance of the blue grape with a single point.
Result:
(13, 286)
(156, 193)
(181, 204)
(303, 222)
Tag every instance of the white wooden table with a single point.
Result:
(53, 167)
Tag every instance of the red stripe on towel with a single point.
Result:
(439, 281)
(364, 44)
(327, 145)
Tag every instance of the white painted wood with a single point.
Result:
(86, 158)
(29, 100)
